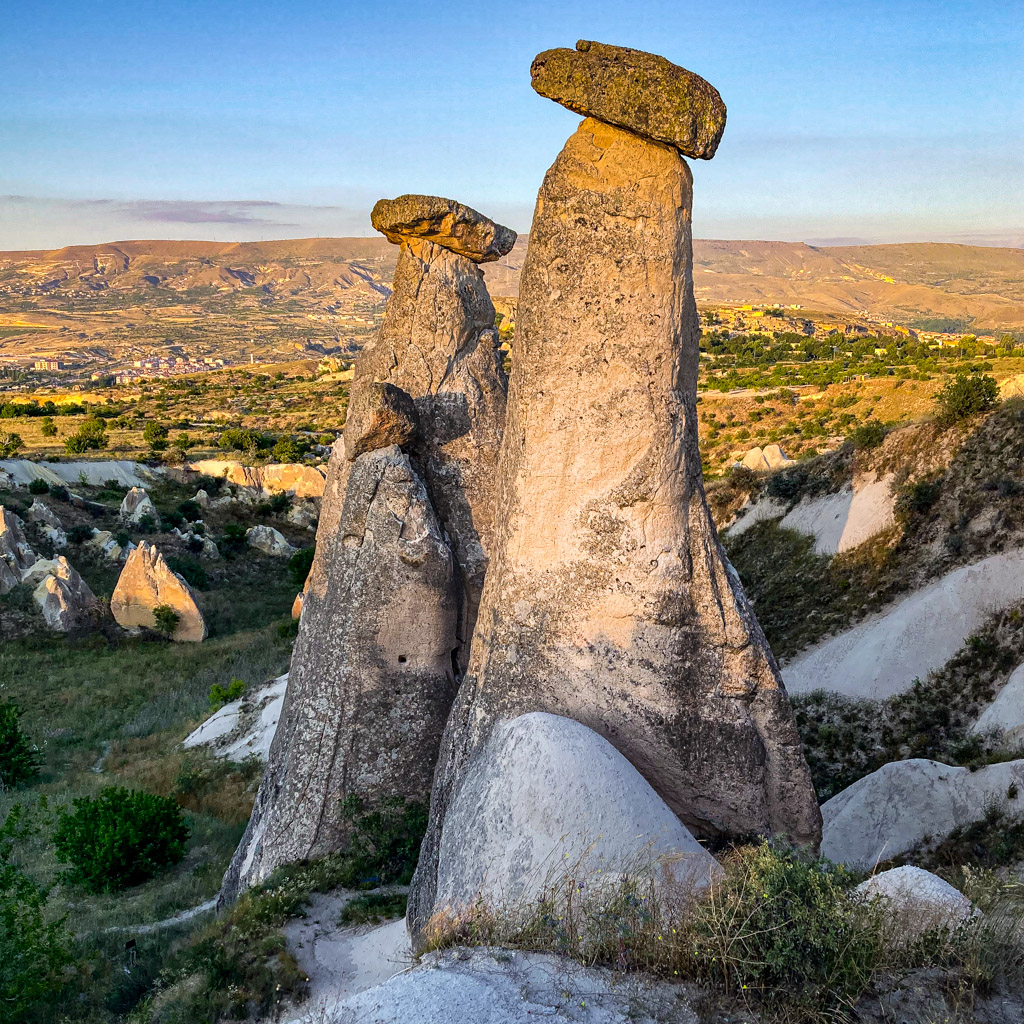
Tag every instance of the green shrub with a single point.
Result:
(867, 435)
(33, 950)
(190, 570)
(60, 492)
(221, 695)
(10, 444)
(384, 842)
(120, 838)
(19, 756)
(172, 520)
(48, 428)
(38, 486)
(232, 540)
(80, 533)
(250, 441)
(299, 565)
(966, 395)
(374, 907)
(914, 500)
(190, 510)
(280, 503)
(166, 619)
(90, 436)
(146, 524)
(289, 449)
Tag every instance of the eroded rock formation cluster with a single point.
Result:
(486, 554)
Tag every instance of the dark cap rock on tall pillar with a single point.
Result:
(632, 89)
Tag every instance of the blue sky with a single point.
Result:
(859, 120)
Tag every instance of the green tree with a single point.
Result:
(966, 395)
(10, 444)
(48, 428)
(19, 756)
(166, 619)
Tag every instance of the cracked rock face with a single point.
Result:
(632, 89)
(372, 676)
(609, 599)
(458, 228)
(16, 554)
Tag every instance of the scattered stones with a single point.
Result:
(371, 680)
(245, 727)
(48, 523)
(895, 809)
(16, 555)
(385, 415)
(62, 595)
(269, 541)
(444, 222)
(147, 582)
(916, 901)
(609, 599)
(638, 91)
(544, 798)
(137, 504)
(304, 514)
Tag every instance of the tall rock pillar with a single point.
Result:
(609, 598)
(402, 545)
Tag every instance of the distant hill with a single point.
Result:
(978, 286)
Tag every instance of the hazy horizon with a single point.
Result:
(866, 123)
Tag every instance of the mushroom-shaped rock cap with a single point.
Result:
(635, 90)
(445, 222)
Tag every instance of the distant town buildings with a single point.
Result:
(48, 364)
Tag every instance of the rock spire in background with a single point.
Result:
(609, 599)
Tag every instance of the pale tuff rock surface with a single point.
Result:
(61, 595)
(1006, 713)
(883, 655)
(269, 541)
(609, 599)
(638, 91)
(762, 460)
(145, 583)
(278, 478)
(893, 810)
(445, 222)
(245, 727)
(371, 678)
(916, 901)
(47, 522)
(16, 555)
(488, 985)
(104, 542)
(547, 797)
(137, 504)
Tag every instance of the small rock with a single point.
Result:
(269, 541)
(755, 460)
(202, 499)
(49, 525)
(380, 415)
(137, 504)
(635, 90)
(446, 223)
(147, 582)
(917, 901)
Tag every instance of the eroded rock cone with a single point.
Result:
(372, 677)
(609, 599)
(146, 583)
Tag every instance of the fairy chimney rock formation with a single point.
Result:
(638, 91)
(609, 599)
(367, 700)
(147, 583)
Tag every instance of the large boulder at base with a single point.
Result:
(897, 808)
(635, 90)
(546, 796)
(775, 456)
(16, 554)
(488, 985)
(62, 595)
(458, 228)
(245, 727)
(48, 524)
(147, 582)
(137, 504)
(916, 901)
(269, 541)
(1005, 714)
(608, 598)
(367, 698)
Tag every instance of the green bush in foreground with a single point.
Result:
(19, 756)
(119, 839)
(220, 695)
(966, 395)
(33, 952)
